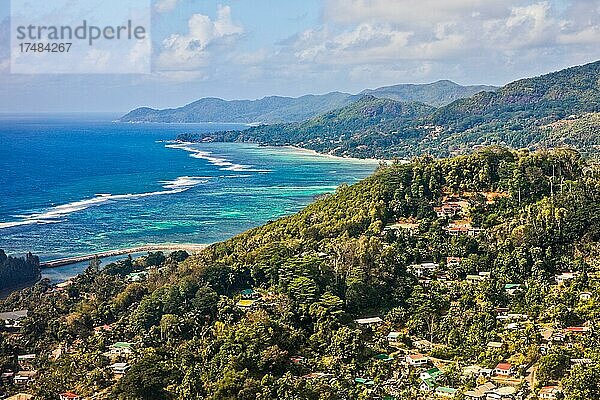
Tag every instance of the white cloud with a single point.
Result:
(140, 53)
(162, 6)
(386, 41)
(590, 35)
(192, 50)
(256, 57)
(411, 12)
(357, 32)
(376, 43)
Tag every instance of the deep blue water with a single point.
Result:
(74, 185)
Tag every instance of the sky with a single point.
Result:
(247, 49)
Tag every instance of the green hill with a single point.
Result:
(435, 94)
(368, 127)
(520, 114)
(517, 113)
(270, 109)
(277, 109)
(274, 312)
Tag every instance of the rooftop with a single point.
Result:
(69, 395)
(549, 390)
(122, 345)
(445, 389)
(503, 366)
(246, 303)
(370, 320)
(13, 315)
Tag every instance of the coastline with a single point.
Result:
(191, 248)
(248, 124)
(356, 159)
(298, 149)
(73, 263)
(166, 247)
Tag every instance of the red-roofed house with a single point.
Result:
(577, 329)
(453, 261)
(549, 392)
(69, 396)
(504, 369)
(416, 359)
(102, 328)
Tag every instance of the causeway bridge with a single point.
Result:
(189, 247)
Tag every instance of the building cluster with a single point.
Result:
(118, 353)
(502, 381)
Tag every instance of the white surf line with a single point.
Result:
(54, 214)
(223, 163)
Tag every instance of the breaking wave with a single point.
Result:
(56, 213)
(223, 163)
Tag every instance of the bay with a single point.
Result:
(75, 184)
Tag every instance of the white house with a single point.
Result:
(423, 269)
(585, 296)
(565, 277)
(119, 368)
(368, 321)
(392, 337)
(23, 377)
(121, 348)
(416, 360)
(549, 392)
(12, 319)
(504, 369)
(25, 360)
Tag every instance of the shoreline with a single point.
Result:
(248, 124)
(297, 149)
(316, 153)
(191, 248)
(166, 247)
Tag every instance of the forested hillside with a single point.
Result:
(276, 312)
(278, 109)
(435, 94)
(361, 127)
(514, 114)
(271, 109)
(520, 115)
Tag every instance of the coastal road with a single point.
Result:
(189, 247)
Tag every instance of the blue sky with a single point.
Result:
(255, 48)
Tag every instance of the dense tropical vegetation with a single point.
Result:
(15, 271)
(199, 332)
(278, 109)
(522, 114)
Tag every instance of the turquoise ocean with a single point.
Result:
(74, 184)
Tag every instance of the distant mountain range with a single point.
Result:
(557, 109)
(276, 109)
(435, 94)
